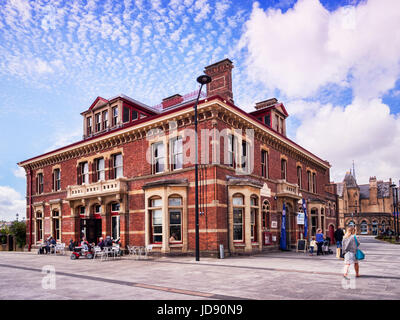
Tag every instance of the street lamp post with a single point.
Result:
(397, 213)
(395, 204)
(204, 79)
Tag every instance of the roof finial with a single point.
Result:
(354, 171)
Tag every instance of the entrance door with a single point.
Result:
(332, 234)
(289, 223)
(91, 229)
(375, 228)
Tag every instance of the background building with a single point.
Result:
(369, 206)
(129, 177)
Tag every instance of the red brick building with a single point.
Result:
(132, 176)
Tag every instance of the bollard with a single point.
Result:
(221, 251)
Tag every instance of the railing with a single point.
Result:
(286, 188)
(96, 188)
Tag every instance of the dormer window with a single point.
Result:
(135, 115)
(125, 115)
(105, 119)
(89, 126)
(267, 120)
(114, 116)
(97, 119)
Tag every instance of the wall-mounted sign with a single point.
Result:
(300, 218)
(274, 224)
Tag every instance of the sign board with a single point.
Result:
(300, 217)
(267, 238)
(274, 238)
(265, 191)
(274, 224)
(301, 245)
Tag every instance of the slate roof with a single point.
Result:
(350, 180)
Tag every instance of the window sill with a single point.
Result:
(176, 245)
(239, 244)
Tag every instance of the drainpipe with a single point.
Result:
(227, 220)
(30, 210)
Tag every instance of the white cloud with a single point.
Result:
(308, 50)
(308, 47)
(364, 131)
(203, 8)
(19, 172)
(11, 203)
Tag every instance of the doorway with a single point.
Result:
(91, 229)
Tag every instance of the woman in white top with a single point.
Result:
(349, 249)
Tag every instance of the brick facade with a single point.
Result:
(138, 188)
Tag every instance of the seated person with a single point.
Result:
(46, 246)
(101, 244)
(71, 245)
(84, 244)
(108, 242)
(53, 241)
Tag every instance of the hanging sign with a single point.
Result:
(300, 218)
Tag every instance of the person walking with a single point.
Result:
(320, 241)
(350, 244)
(339, 233)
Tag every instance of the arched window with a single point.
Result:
(283, 169)
(253, 218)
(266, 223)
(238, 214)
(175, 209)
(375, 228)
(56, 225)
(364, 227)
(322, 226)
(314, 221)
(155, 213)
(39, 226)
(115, 220)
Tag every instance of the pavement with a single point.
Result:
(268, 276)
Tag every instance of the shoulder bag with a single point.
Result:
(359, 254)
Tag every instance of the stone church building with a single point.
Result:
(369, 206)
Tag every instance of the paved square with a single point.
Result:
(278, 275)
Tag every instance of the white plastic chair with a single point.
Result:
(107, 252)
(116, 251)
(147, 250)
(132, 250)
(98, 252)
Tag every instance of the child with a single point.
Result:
(313, 244)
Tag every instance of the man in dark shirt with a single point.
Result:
(339, 233)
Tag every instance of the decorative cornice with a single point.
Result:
(207, 110)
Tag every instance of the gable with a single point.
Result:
(98, 102)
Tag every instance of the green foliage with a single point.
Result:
(18, 230)
(4, 231)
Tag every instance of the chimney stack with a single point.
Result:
(221, 75)
(171, 101)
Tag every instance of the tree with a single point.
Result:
(4, 232)
(18, 230)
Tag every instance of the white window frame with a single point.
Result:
(176, 158)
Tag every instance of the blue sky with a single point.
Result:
(323, 59)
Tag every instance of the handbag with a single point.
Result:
(359, 254)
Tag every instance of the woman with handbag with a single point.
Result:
(350, 248)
